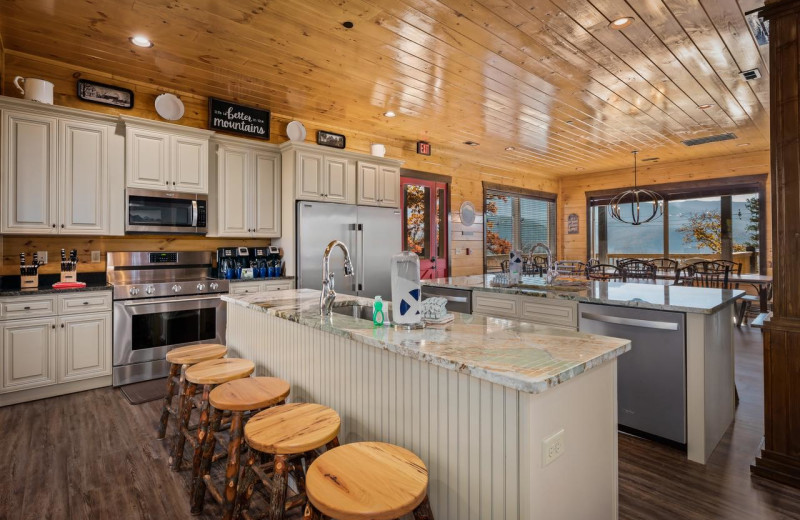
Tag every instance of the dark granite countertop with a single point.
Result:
(10, 286)
(273, 279)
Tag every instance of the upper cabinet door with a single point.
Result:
(83, 150)
(29, 173)
(368, 181)
(189, 164)
(233, 166)
(389, 187)
(267, 195)
(338, 186)
(310, 176)
(147, 159)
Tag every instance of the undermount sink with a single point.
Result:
(361, 312)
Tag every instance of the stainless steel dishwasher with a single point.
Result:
(458, 300)
(651, 378)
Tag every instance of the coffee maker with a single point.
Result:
(274, 262)
(231, 261)
(259, 262)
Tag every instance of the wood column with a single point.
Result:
(780, 456)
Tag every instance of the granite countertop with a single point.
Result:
(523, 356)
(273, 279)
(95, 281)
(48, 289)
(678, 298)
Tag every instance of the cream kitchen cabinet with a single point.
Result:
(325, 177)
(255, 286)
(246, 197)
(532, 309)
(66, 351)
(61, 171)
(29, 353)
(378, 185)
(166, 157)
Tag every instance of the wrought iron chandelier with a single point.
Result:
(646, 205)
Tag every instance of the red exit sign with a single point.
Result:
(423, 148)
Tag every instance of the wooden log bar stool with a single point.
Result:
(180, 359)
(240, 397)
(209, 374)
(290, 432)
(367, 481)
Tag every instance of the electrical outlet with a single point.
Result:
(42, 256)
(95, 256)
(552, 447)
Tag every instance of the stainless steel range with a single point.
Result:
(162, 300)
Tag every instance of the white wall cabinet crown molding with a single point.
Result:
(61, 171)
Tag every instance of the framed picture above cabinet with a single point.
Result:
(103, 94)
(330, 139)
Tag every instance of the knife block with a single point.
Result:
(69, 276)
(29, 281)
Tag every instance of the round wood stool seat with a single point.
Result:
(196, 353)
(218, 371)
(367, 481)
(250, 393)
(292, 428)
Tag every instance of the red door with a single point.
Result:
(425, 224)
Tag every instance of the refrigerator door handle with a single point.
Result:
(354, 229)
(361, 259)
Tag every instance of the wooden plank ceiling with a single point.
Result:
(546, 77)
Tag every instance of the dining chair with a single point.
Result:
(665, 265)
(639, 271)
(711, 274)
(605, 272)
(570, 267)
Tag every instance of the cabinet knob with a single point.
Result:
(167, 183)
(173, 183)
(54, 225)
(62, 226)
(62, 325)
(53, 326)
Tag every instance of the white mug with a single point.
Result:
(35, 89)
(378, 150)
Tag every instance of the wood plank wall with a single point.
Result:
(446, 160)
(572, 194)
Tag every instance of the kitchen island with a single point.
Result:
(678, 382)
(475, 399)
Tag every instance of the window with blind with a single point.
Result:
(516, 220)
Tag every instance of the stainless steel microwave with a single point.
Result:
(153, 211)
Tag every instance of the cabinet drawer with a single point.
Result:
(278, 286)
(501, 307)
(245, 288)
(83, 303)
(27, 307)
(549, 312)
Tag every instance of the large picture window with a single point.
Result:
(516, 219)
(703, 220)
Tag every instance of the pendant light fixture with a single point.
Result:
(646, 205)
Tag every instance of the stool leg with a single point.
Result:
(423, 510)
(246, 485)
(333, 443)
(185, 412)
(232, 469)
(198, 483)
(202, 431)
(277, 498)
(162, 425)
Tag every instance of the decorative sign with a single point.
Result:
(330, 139)
(238, 119)
(572, 224)
(423, 148)
(105, 94)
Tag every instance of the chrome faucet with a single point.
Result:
(552, 272)
(328, 295)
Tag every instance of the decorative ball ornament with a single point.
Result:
(646, 205)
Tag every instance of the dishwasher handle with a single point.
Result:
(633, 322)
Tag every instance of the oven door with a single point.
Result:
(145, 330)
(151, 211)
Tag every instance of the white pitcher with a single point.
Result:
(35, 89)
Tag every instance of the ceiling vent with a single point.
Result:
(709, 139)
(650, 159)
(751, 74)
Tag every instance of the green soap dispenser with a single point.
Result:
(377, 312)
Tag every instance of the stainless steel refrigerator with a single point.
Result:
(373, 236)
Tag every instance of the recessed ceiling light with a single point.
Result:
(743, 144)
(570, 122)
(471, 143)
(621, 23)
(140, 41)
(389, 113)
(347, 25)
(705, 106)
(510, 148)
(580, 169)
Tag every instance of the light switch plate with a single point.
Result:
(552, 447)
(42, 256)
(95, 256)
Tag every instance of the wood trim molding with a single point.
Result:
(425, 176)
(671, 190)
(553, 197)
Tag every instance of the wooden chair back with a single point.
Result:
(665, 265)
(639, 271)
(712, 274)
(605, 272)
(685, 275)
(570, 267)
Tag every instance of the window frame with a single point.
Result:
(718, 187)
(513, 191)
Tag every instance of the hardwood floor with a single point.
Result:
(93, 456)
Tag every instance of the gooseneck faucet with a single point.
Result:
(328, 295)
(552, 272)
